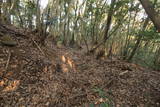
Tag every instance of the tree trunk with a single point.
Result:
(1, 2)
(19, 13)
(138, 41)
(30, 21)
(152, 14)
(157, 59)
(8, 13)
(107, 28)
(38, 21)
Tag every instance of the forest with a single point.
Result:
(79, 53)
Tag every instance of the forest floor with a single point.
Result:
(52, 76)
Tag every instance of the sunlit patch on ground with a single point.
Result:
(65, 68)
(12, 85)
(68, 63)
(2, 83)
(63, 58)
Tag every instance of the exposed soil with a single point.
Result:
(52, 76)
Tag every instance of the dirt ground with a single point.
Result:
(52, 76)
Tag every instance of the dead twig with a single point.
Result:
(6, 67)
(38, 47)
(109, 84)
(8, 60)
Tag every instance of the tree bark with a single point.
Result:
(38, 15)
(152, 14)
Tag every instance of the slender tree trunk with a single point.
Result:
(44, 34)
(20, 18)
(72, 42)
(30, 21)
(157, 59)
(68, 25)
(138, 40)
(6, 11)
(107, 28)
(109, 20)
(38, 16)
(65, 24)
(1, 2)
(127, 37)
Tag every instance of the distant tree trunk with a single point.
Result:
(72, 42)
(30, 21)
(9, 14)
(38, 21)
(20, 18)
(153, 15)
(6, 11)
(109, 20)
(107, 28)
(65, 24)
(64, 33)
(16, 7)
(44, 34)
(148, 7)
(128, 37)
(68, 25)
(157, 59)
(125, 53)
(138, 40)
(1, 1)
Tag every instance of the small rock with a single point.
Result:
(8, 41)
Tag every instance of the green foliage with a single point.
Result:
(30, 4)
(121, 3)
(31, 7)
(144, 58)
(91, 105)
(104, 105)
(151, 34)
(101, 93)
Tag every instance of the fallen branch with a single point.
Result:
(6, 67)
(8, 60)
(38, 47)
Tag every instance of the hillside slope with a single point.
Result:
(51, 76)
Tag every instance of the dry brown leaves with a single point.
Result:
(64, 77)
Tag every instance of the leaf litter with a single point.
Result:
(51, 76)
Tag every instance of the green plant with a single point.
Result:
(108, 102)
